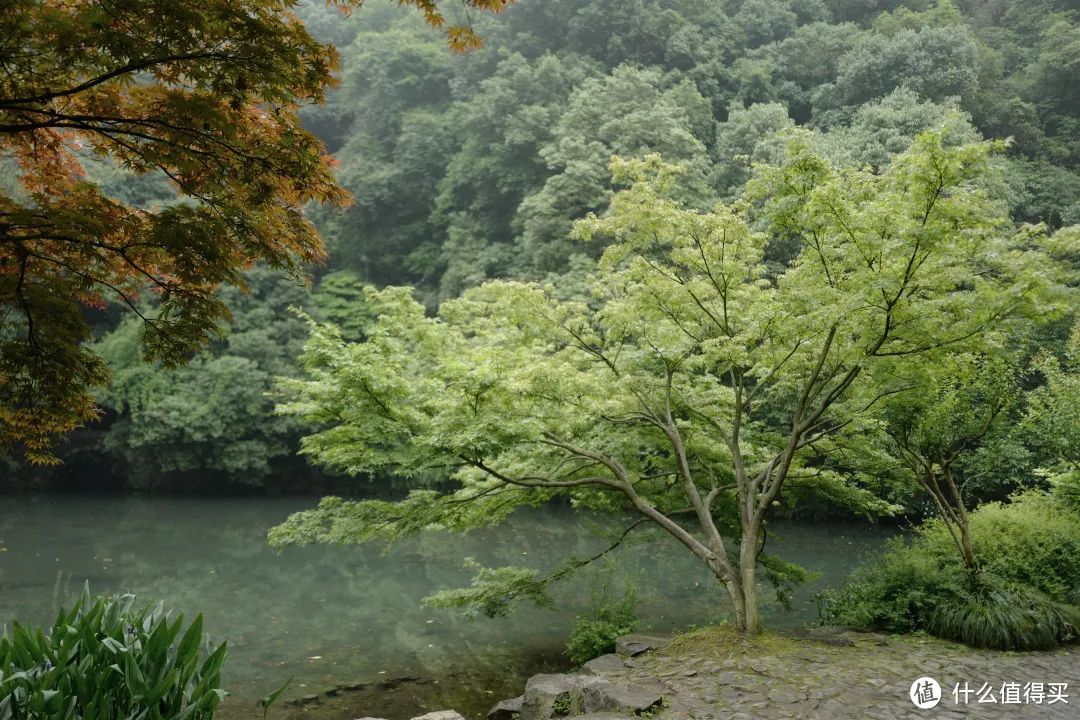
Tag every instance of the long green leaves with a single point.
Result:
(106, 660)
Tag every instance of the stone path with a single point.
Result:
(849, 675)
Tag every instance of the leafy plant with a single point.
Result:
(594, 632)
(270, 699)
(105, 659)
(1067, 490)
(897, 591)
(1033, 541)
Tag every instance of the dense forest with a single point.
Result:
(475, 166)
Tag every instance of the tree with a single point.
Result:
(212, 419)
(630, 112)
(935, 62)
(884, 128)
(752, 135)
(947, 410)
(692, 388)
(205, 94)
(512, 115)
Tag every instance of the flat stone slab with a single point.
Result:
(609, 663)
(839, 635)
(440, 715)
(636, 644)
(595, 693)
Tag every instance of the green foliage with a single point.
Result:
(784, 577)
(629, 113)
(527, 126)
(107, 659)
(339, 299)
(494, 592)
(883, 128)
(1024, 596)
(1031, 541)
(954, 423)
(1067, 490)
(213, 421)
(897, 591)
(561, 704)
(757, 134)
(268, 700)
(472, 167)
(1006, 617)
(1054, 413)
(606, 619)
(213, 415)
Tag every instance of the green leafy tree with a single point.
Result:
(938, 415)
(764, 22)
(205, 93)
(482, 134)
(807, 62)
(882, 129)
(211, 420)
(692, 389)
(935, 62)
(753, 135)
(339, 299)
(511, 117)
(630, 112)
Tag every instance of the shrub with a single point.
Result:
(104, 659)
(897, 592)
(997, 614)
(1033, 541)
(1029, 555)
(1067, 490)
(594, 634)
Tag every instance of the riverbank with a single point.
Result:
(712, 674)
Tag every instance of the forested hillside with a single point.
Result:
(474, 166)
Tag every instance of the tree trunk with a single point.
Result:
(961, 513)
(734, 590)
(750, 623)
(965, 547)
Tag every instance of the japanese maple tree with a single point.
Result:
(205, 93)
(691, 388)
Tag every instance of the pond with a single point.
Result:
(328, 616)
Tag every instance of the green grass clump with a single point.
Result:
(723, 641)
(1023, 598)
(1006, 616)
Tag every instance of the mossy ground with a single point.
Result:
(725, 641)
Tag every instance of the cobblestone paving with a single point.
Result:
(870, 679)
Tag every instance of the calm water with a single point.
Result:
(332, 615)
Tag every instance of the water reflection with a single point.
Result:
(333, 615)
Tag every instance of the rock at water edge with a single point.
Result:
(506, 709)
